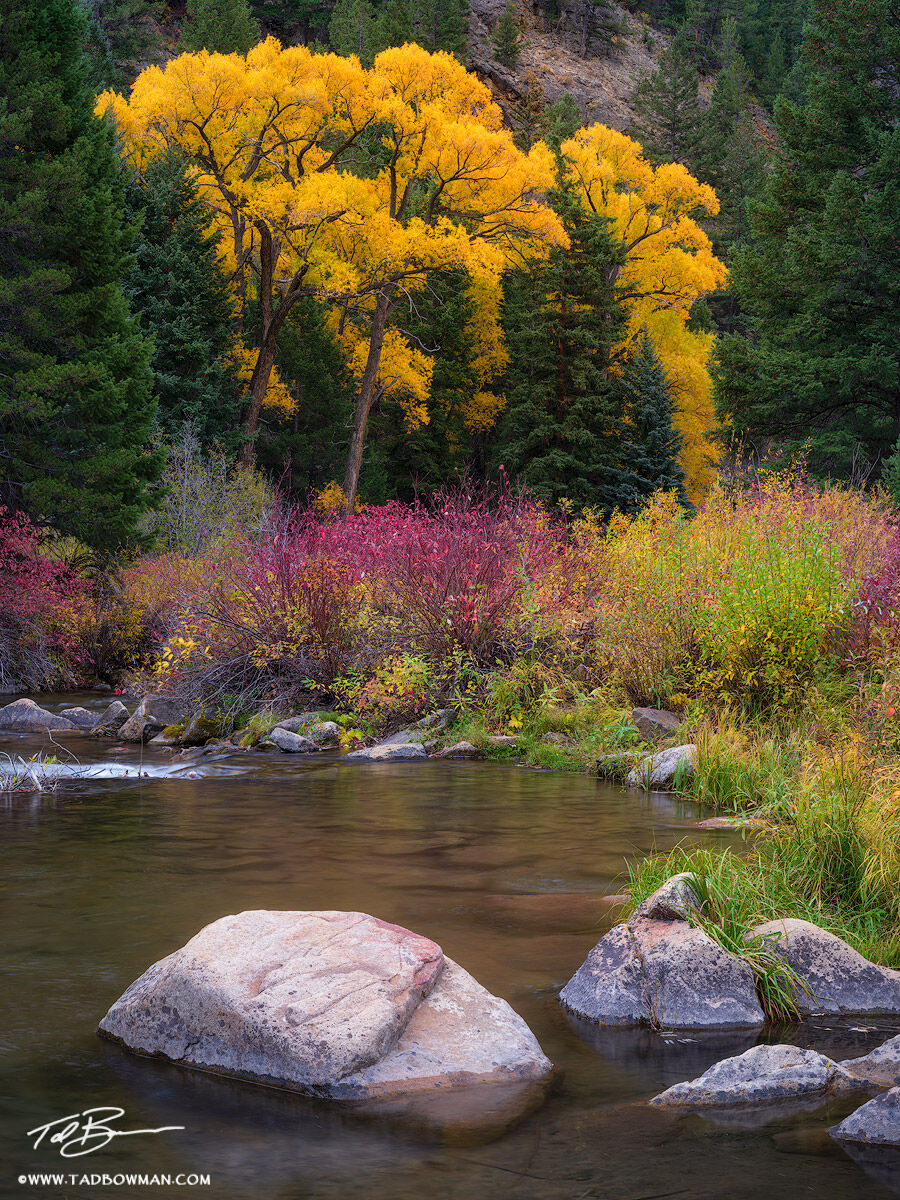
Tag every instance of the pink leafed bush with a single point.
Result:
(39, 603)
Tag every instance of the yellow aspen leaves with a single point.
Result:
(669, 265)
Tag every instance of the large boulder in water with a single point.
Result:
(762, 1074)
(24, 716)
(836, 978)
(336, 1004)
(659, 969)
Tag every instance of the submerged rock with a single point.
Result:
(874, 1124)
(386, 752)
(837, 978)
(654, 724)
(664, 769)
(880, 1066)
(336, 1004)
(762, 1074)
(24, 716)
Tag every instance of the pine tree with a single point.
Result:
(507, 39)
(76, 408)
(404, 461)
(353, 29)
(654, 443)
(563, 119)
(820, 278)
(224, 26)
(432, 24)
(307, 448)
(180, 291)
(667, 104)
(564, 429)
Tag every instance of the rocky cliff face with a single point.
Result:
(571, 52)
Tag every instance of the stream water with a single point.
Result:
(502, 865)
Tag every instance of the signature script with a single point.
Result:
(84, 1132)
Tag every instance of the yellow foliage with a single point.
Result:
(278, 395)
(404, 373)
(277, 147)
(669, 265)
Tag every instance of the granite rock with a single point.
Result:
(762, 1074)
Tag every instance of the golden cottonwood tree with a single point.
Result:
(345, 183)
(669, 264)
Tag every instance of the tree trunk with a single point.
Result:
(259, 381)
(364, 400)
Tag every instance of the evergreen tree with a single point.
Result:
(76, 407)
(307, 448)
(563, 119)
(353, 29)
(667, 104)
(728, 154)
(224, 26)
(403, 461)
(820, 279)
(180, 291)
(564, 429)
(507, 39)
(654, 444)
(121, 35)
(432, 24)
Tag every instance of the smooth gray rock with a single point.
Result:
(336, 1004)
(302, 721)
(676, 900)
(459, 1035)
(502, 739)
(324, 733)
(654, 724)
(460, 750)
(111, 719)
(661, 770)
(290, 743)
(838, 979)
(664, 973)
(301, 999)
(24, 716)
(874, 1124)
(154, 713)
(81, 717)
(386, 752)
(759, 1075)
(880, 1066)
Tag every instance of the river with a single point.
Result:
(502, 865)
